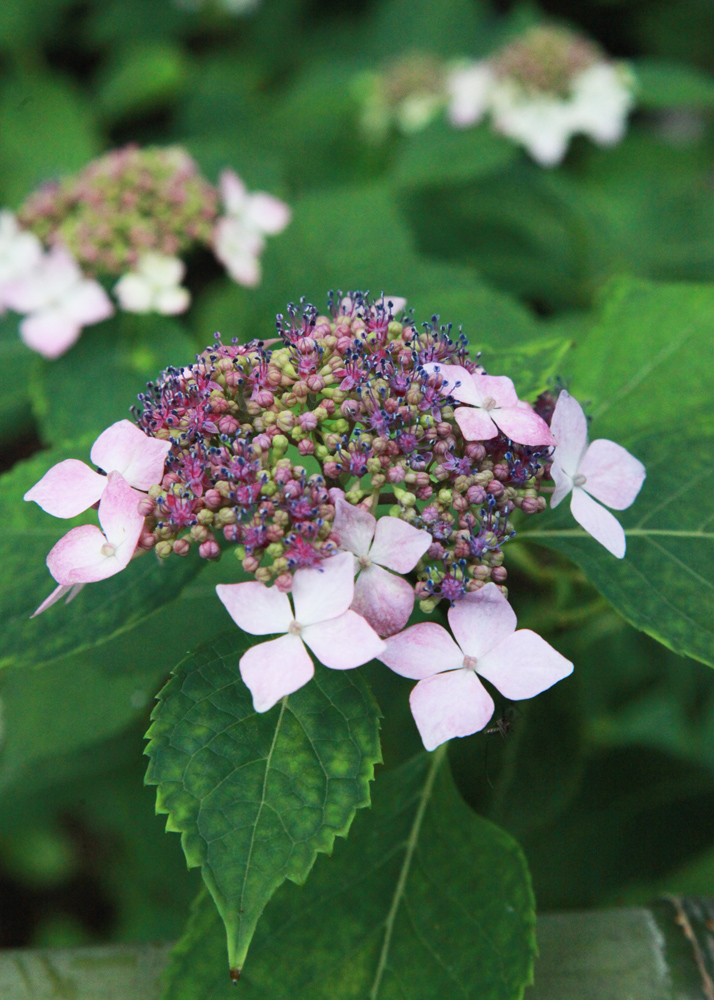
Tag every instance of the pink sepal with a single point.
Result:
(421, 651)
(397, 545)
(257, 609)
(385, 600)
(448, 705)
(523, 665)
(273, 669)
(67, 489)
(124, 448)
(612, 475)
(343, 643)
(326, 592)
(481, 620)
(598, 522)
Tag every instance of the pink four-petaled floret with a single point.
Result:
(339, 638)
(449, 699)
(602, 470)
(87, 554)
(385, 600)
(492, 405)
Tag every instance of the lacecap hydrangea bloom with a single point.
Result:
(354, 464)
(406, 94)
(123, 225)
(542, 89)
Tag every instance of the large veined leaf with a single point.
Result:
(101, 611)
(665, 583)
(426, 899)
(257, 796)
(646, 363)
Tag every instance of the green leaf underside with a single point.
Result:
(101, 611)
(665, 583)
(646, 363)
(425, 900)
(257, 796)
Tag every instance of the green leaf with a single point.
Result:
(97, 382)
(645, 363)
(444, 27)
(442, 154)
(663, 84)
(257, 796)
(140, 78)
(101, 611)
(426, 899)
(15, 397)
(532, 364)
(664, 584)
(46, 130)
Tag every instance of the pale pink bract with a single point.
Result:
(449, 699)
(492, 405)
(601, 470)
(385, 600)
(340, 638)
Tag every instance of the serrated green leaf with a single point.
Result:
(442, 154)
(257, 796)
(426, 899)
(646, 364)
(664, 584)
(97, 382)
(101, 611)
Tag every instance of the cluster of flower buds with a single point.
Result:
(355, 463)
(131, 215)
(543, 88)
(266, 440)
(540, 90)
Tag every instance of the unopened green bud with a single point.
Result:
(163, 549)
(275, 550)
(428, 604)
(321, 452)
(445, 497)
(354, 496)
(280, 444)
(405, 498)
(205, 516)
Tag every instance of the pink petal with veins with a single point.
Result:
(354, 525)
(343, 643)
(67, 489)
(449, 705)
(385, 600)
(119, 511)
(570, 432)
(522, 425)
(421, 651)
(613, 476)
(273, 669)
(481, 620)
(563, 484)
(523, 665)
(598, 522)
(475, 423)
(398, 545)
(257, 609)
(324, 593)
(122, 447)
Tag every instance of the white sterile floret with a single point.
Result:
(239, 236)
(603, 95)
(155, 286)
(20, 252)
(469, 87)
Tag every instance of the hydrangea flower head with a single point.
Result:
(155, 286)
(543, 88)
(600, 471)
(406, 94)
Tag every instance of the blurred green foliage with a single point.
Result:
(607, 781)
